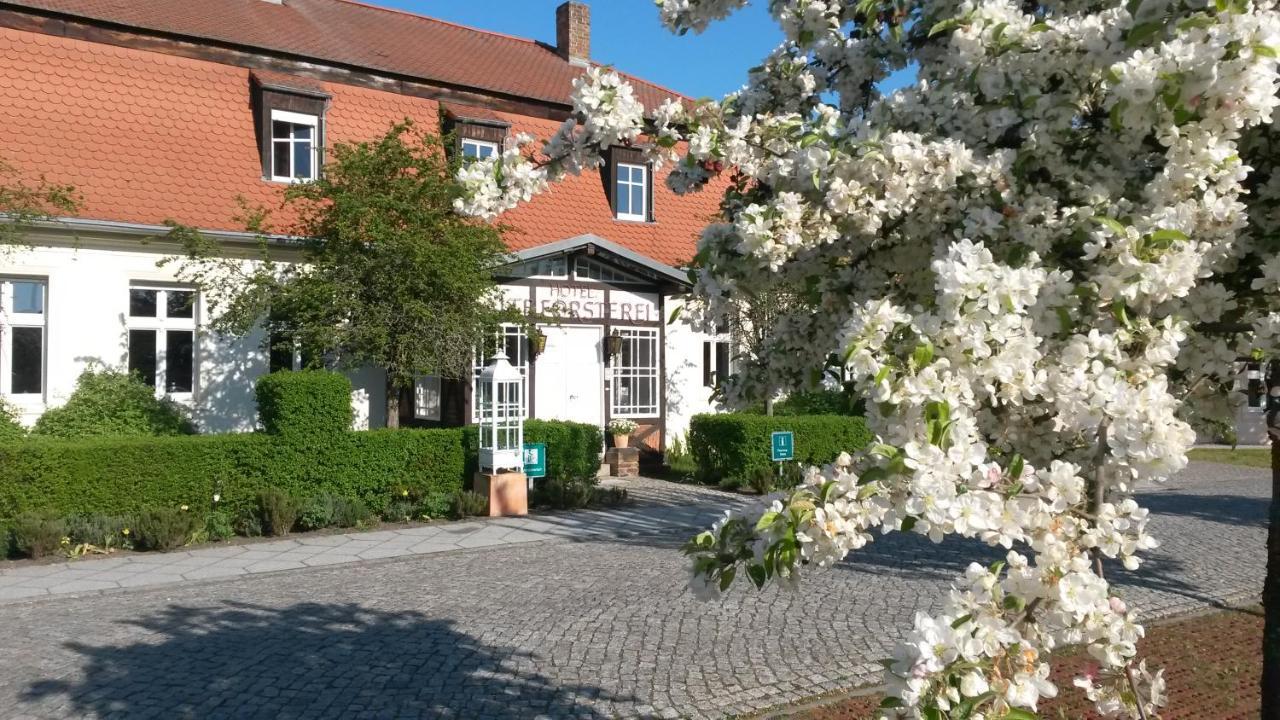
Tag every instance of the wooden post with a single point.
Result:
(1271, 586)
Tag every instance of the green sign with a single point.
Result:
(535, 460)
(783, 445)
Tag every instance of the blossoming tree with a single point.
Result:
(1040, 263)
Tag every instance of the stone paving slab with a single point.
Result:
(658, 507)
(600, 628)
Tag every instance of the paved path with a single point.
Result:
(658, 507)
(598, 628)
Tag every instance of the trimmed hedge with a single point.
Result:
(304, 403)
(573, 449)
(736, 445)
(122, 475)
(113, 404)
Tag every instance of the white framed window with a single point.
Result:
(473, 149)
(294, 156)
(22, 337)
(584, 269)
(631, 192)
(634, 383)
(162, 338)
(513, 341)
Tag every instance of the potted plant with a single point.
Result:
(621, 430)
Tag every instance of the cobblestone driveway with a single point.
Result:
(594, 629)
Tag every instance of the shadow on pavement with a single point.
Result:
(309, 660)
(1226, 509)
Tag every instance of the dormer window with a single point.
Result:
(289, 118)
(473, 149)
(293, 146)
(630, 185)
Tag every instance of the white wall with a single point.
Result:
(686, 395)
(86, 311)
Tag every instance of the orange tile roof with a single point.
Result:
(147, 137)
(359, 35)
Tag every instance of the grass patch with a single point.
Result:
(1247, 457)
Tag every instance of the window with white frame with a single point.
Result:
(293, 146)
(584, 269)
(22, 336)
(473, 149)
(513, 341)
(631, 192)
(162, 338)
(634, 390)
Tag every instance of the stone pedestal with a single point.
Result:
(508, 493)
(623, 462)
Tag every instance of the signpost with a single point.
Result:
(783, 446)
(535, 460)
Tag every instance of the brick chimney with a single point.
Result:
(573, 32)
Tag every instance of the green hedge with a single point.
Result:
(120, 475)
(735, 445)
(304, 403)
(113, 404)
(573, 449)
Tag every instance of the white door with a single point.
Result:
(569, 376)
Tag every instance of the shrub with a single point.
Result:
(678, 458)
(248, 523)
(573, 449)
(304, 404)
(279, 511)
(37, 534)
(163, 528)
(101, 531)
(820, 402)
(219, 525)
(733, 446)
(762, 480)
(318, 512)
(115, 404)
(117, 476)
(609, 497)
(348, 512)
(401, 510)
(564, 494)
(468, 503)
(10, 428)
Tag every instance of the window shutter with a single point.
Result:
(427, 398)
(613, 182)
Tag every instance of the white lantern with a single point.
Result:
(501, 416)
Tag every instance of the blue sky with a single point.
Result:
(627, 35)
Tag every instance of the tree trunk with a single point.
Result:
(1271, 586)
(393, 404)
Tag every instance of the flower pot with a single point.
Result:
(621, 440)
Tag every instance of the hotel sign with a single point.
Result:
(583, 303)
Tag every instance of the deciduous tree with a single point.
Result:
(1033, 261)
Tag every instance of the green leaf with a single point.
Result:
(1113, 224)
(1039, 27)
(891, 702)
(766, 520)
(945, 25)
(883, 374)
(1020, 714)
(726, 578)
(1265, 50)
(1015, 467)
(758, 575)
(1117, 115)
(1142, 33)
(960, 621)
(909, 522)
(675, 313)
(923, 355)
(1064, 319)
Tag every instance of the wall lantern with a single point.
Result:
(500, 412)
(537, 342)
(613, 344)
